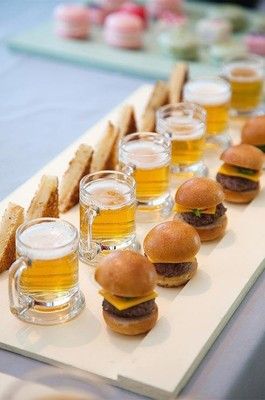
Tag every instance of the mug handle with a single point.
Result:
(19, 303)
(94, 248)
(128, 169)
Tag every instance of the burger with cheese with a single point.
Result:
(253, 132)
(199, 202)
(240, 173)
(172, 246)
(128, 280)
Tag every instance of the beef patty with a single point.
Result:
(140, 310)
(204, 219)
(170, 270)
(236, 184)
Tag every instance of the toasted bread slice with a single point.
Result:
(100, 159)
(178, 78)
(78, 167)
(157, 99)
(126, 125)
(45, 200)
(13, 217)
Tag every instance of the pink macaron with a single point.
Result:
(135, 9)
(124, 30)
(157, 7)
(72, 21)
(255, 43)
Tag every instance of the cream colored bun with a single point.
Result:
(244, 155)
(131, 326)
(199, 193)
(213, 231)
(171, 242)
(126, 273)
(240, 197)
(179, 280)
(253, 131)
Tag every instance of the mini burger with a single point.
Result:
(172, 247)
(128, 280)
(199, 202)
(253, 132)
(240, 173)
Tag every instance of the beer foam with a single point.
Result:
(145, 154)
(248, 73)
(46, 240)
(109, 193)
(207, 93)
(185, 128)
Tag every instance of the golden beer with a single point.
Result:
(149, 161)
(115, 218)
(52, 271)
(214, 96)
(247, 85)
(43, 281)
(107, 213)
(246, 75)
(188, 143)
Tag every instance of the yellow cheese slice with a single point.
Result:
(230, 170)
(181, 209)
(122, 303)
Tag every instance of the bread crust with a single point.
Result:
(126, 273)
(103, 149)
(13, 217)
(244, 155)
(45, 202)
(131, 326)
(179, 280)
(240, 197)
(253, 131)
(78, 167)
(126, 125)
(157, 99)
(199, 193)
(178, 77)
(171, 242)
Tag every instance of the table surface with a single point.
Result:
(45, 106)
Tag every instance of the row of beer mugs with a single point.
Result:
(44, 283)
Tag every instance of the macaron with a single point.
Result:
(135, 9)
(179, 42)
(255, 43)
(72, 21)
(111, 5)
(124, 30)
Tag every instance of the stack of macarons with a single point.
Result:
(124, 30)
(72, 21)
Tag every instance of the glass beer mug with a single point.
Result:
(107, 214)
(43, 281)
(146, 156)
(185, 124)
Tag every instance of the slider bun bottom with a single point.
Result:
(212, 231)
(179, 280)
(131, 326)
(240, 197)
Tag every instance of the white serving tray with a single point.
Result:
(160, 363)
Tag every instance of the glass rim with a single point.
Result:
(37, 221)
(255, 58)
(184, 104)
(166, 142)
(87, 179)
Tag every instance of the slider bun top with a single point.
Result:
(253, 131)
(172, 242)
(199, 193)
(244, 155)
(126, 273)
